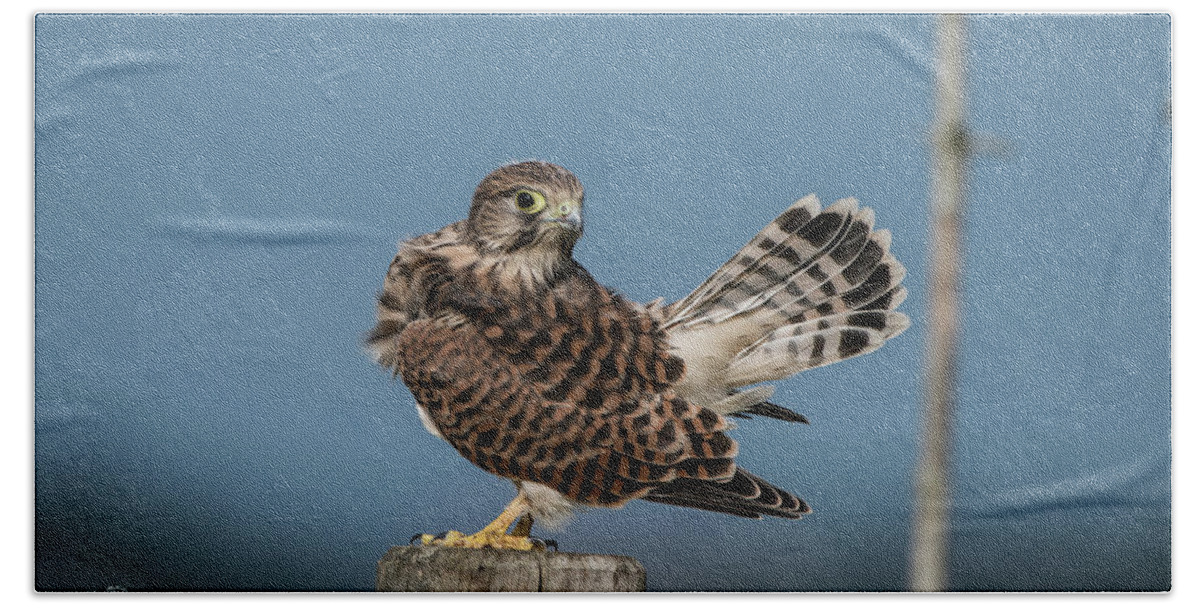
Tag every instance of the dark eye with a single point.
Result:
(529, 201)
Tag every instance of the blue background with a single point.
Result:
(218, 197)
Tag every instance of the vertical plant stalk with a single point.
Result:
(951, 148)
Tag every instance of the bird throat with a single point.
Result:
(529, 268)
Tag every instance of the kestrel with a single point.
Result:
(537, 373)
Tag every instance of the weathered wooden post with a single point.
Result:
(452, 569)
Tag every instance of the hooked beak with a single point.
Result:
(567, 215)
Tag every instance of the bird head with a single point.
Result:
(527, 207)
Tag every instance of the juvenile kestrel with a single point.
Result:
(537, 373)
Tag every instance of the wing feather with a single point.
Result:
(602, 453)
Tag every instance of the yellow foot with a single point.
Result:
(495, 535)
(482, 540)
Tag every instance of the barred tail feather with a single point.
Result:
(812, 280)
(813, 287)
(792, 349)
(714, 289)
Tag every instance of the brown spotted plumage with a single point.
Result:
(536, 373)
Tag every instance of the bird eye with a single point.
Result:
(530, 201)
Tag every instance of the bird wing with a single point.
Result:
(500, 421)
(421, 266)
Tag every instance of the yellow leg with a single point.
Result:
(495, 534)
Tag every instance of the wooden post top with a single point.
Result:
(452, 569)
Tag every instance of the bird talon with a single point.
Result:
(479, 540)
(430, 540)
(542, 544)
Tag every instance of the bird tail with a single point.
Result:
(812, 288)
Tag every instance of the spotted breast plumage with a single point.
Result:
(535, 372)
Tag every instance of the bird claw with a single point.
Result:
(481, 540)
(425, 540)
(542, 544)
